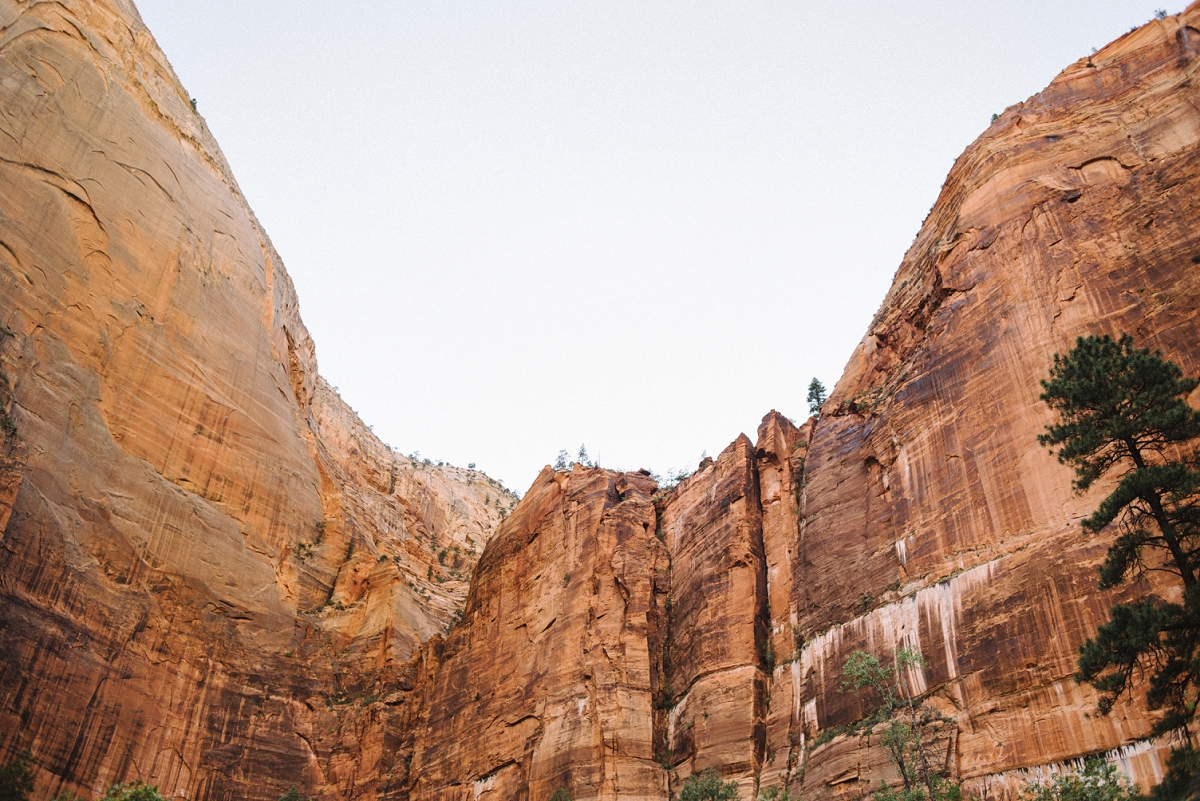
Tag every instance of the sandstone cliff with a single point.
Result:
(209, 565)
(214, 577)
(1074, 214)
(919, 508)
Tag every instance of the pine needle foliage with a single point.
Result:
(816, 396)
(1121, 409)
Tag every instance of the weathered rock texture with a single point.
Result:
(715, 685)
(549, 682)
(919, 509)
(215, 578)
(209, 565)
(1074, 214)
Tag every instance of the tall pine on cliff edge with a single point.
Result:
(1122, 409)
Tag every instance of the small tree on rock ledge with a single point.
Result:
(910, 725)
(816, 396)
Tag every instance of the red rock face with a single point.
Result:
(1074, 214)
(549, 682)
(718, 630)
(215, 578)
(209, 565)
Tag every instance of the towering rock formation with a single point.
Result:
(214, 577)
(549, 682)
(208, 564)
(919, 508)
(1074, 214)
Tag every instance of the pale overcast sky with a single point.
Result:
(516, 227)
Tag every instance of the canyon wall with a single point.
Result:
(1075, 213)
(214, 577)
(919, 509)
(209, 565)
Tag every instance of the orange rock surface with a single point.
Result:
(549, 682)
(209, 565)
(215, 578)
(1075, 213)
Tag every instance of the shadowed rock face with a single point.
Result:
(215, 578)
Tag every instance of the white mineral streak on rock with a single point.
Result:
(1142, 760)
(797, 694)
(810, 714)
(884, 630)
(484, 785)
(942, 604)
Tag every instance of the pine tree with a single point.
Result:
(16, 778)
(816, 396)
(1121, 408)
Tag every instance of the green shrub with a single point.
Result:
(707, 786)
(943, 790)
(1098, 781)
(16, 778)
(132, 791)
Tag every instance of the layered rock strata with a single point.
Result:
(919, 509)
(209, 565)
(549, 681)
(1073, 214)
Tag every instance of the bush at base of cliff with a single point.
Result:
(292, 795)
(707, 786)
(943, 790)
(1098, 781)
(133, 791)
(16, 778)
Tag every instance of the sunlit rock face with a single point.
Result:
(214, 577)
(930, 514)
(549, 682)
(919, 509)
(209, 564)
